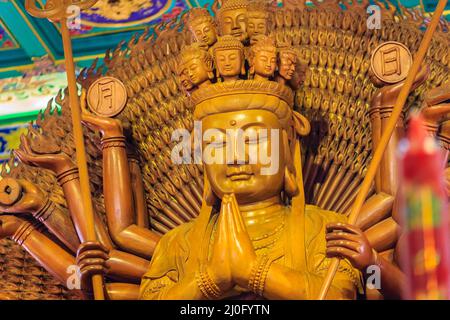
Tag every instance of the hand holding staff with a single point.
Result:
(58, 11)
(384, 140)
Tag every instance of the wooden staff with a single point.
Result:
(58, 11)
(386, 136)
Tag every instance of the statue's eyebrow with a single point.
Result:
(254, 124)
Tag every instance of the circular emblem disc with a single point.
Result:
(10, 191)
(391, 62)
(107, 97)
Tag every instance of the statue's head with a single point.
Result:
(229, 57)
(248, 134)
(195, 67)
(202, 26)
(257, 20)
(232, 19)
(263, 58)
(287, 62)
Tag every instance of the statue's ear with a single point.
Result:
(301, 124)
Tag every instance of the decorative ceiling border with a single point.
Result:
(10, 36)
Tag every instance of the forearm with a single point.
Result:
(122, 291)
(137, 240)
(392, 279)
(389, 164)
(59, 224)
(137, 186)
(119, 201)
(48, 254)
(125, 266)
(375, 209)
(70, 182)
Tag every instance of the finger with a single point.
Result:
(93, 269)
(93, 254)
(341, 236)
(222, 224)
(236, 214)
(91, 262)
(23, 157)
(229, 218)
(343, 244)
(25, 145)
(83, 100)
(91, 245)
(339, 252)
(343, 227)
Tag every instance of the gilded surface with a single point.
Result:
(216, 231)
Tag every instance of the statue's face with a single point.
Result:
(248, 139)
(287, 65)
(205, 33)
(256, 26)
(229, 62)
(265, 63)
(185, 79)
(234, 22)
(197, 71)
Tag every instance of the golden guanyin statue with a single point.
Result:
(296, 84)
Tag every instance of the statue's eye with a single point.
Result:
(206, 29)
(227, 20)
(232, 56)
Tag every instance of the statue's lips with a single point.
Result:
(240, 177)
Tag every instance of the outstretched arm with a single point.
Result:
(23, 197)
(117, 189)
(58, 261)
(378, 207)
(121, 265)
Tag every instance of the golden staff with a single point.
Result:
(57, 10)
(386, 136)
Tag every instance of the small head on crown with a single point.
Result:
(257, 20)
(229, 58)
(195, 68)
(287, 62)
(202, 26)
(263, 58)
(232, 18)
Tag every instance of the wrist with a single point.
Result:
(208, 287)
(258, 275)
(115, 129)
(45, 210)
(67, 174)
(113, 142)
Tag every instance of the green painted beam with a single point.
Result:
(19, 25)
